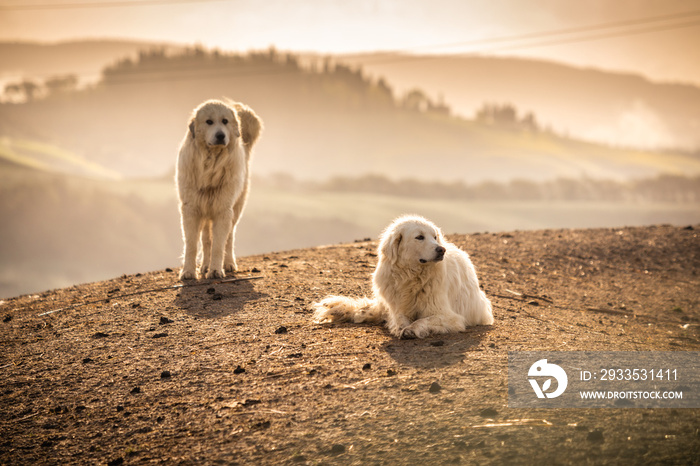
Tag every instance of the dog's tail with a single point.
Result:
(342, 309)
(251, 124)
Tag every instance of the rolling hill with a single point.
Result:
(61, 229)
(319, 123)
(86, 188)
(596, 105)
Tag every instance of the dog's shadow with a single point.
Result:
(211, 299)
(436, 351)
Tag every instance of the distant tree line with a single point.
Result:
(332, 78)
(27, 90)
(329, 76)
(505, 116)
(324, 77)
(664, 188)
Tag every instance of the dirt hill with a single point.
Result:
(226, 373)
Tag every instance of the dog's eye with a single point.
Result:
(224, 121)
(209, 122)
(420, 237)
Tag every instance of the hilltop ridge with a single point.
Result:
(236, 372)
(317, 105)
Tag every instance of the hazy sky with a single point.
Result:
(667, 50)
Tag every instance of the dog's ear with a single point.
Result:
(440, 236)
(251, 125)
(389, 246)
(191, 126)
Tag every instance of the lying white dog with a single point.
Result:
(422, 285)
(213, 177)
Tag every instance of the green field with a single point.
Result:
(60, 230)
(369, 213)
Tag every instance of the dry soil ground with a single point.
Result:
(226, 373)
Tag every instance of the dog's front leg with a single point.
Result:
(206, 248)
(230, 264)
(221, 226)
(191, 225)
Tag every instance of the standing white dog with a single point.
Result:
(213, 177)
(422, 285)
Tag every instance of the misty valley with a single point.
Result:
(86, 179)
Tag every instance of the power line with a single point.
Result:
(141, 76)
(108, 4)
(606, 35)
(557, 32)
(401, 59)
(392, 58)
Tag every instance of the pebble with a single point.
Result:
(337, 449)
(595, 436)
(281, 330)
(434, 387)
(462, 445)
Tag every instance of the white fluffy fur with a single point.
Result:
(213, 177)
(422, 285)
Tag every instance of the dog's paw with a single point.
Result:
(415, 330)
(203, 270)
(188, 274)
(214, 273)
(231, 267)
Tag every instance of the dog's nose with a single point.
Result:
(440, 250)
(220, 136)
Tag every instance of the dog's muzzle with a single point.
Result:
(439, 253)
(219, 139)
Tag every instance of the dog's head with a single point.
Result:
(413, 241)
(214, 124)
